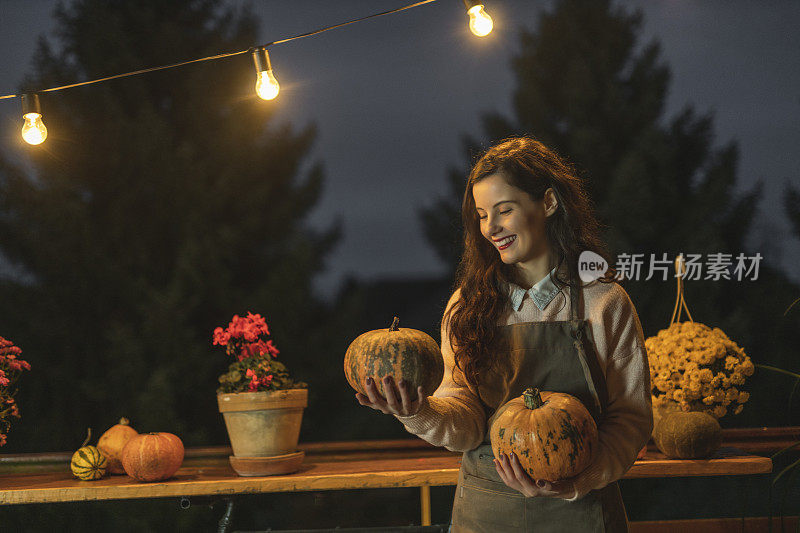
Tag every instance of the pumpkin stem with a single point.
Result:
(124, 421)
(394, 327)
(88, 436)
(532, 398)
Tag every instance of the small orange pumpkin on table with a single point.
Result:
(552, 434)
(403, 353)
(113, 441)
(152, 456)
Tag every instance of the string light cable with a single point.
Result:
(470, 4)
(267, 86)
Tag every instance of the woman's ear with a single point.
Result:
(550, 202)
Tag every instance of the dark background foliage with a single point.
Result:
(164, 204)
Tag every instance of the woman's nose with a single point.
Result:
(492, 225)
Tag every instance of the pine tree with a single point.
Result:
(160, 206)
(586, 87)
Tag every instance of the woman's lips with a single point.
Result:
(506, 242)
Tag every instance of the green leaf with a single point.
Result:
(787, 469)
(774, 369)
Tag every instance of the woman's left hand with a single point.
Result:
(514, 476)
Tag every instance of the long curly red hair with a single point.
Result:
(528, 165)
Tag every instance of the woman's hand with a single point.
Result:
(395, 403)
(514, 476)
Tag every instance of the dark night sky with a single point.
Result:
(392, 96)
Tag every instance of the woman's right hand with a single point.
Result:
(395, 403)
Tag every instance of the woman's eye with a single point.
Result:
(482, 217)
(505, 212)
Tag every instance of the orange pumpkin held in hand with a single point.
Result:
(552, 434)
(152, 456)
(403, 353)
(113, 441)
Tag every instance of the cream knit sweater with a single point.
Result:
(453, 416)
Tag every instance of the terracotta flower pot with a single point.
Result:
(264, 428)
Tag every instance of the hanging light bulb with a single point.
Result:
(480, 23)
(33, 131)
(267, 86)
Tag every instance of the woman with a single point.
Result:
(521, 317)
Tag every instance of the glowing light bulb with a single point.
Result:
(267, 87)
(34, 131)
(480, 23)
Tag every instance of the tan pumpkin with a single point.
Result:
(113, 441)
(552, 434)
(687, 435)
(403, 353)
(152, 456)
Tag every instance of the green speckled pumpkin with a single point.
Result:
(403, 353)
(552, 434)
(691, 435)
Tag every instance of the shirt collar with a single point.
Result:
(542, 293)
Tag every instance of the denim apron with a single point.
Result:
(554, 356)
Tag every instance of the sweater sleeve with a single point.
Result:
(453, 416)
(628, 420)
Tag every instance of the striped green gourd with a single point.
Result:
(88, 463)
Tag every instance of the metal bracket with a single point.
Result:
(225, 521)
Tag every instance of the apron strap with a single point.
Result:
(575, 299)
(595, 379)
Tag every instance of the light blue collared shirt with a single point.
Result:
(542, 293)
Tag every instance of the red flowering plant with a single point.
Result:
(11, 366)
(256, 367)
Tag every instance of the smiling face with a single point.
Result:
(511, 220)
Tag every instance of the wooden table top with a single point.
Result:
(327, 466)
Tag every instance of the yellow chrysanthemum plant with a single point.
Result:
(698, 368)
(694, 367)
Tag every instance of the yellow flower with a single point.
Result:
(737, 378)
(661, 384)
(708, 357)
(731, 394)
(743, 397)
(691, 394)
(738, 409)
(719, 411)
(705, 375)
(719, 351)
